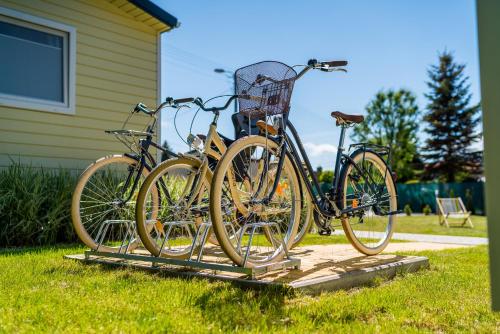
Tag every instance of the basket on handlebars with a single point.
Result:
(265, 87)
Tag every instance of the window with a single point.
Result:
(37, 63)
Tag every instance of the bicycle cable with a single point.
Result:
(196, 113)
(175, 125)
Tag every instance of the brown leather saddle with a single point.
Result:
(346, 118)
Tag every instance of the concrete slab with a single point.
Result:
(323, 268)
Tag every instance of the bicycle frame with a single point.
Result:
(145, 160)
(288, 147)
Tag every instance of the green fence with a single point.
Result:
(420, 194)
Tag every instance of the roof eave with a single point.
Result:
(156, 12)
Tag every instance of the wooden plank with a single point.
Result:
(115, 67)
(104, 95)
(94, 136)
(54, 152)
(92, 50)
(118, 108)
(133, 11)
(45, 162)
(61, 131)
(116, 87)
(57, 142)
(128, 7)
(117, 77)
(131, 49)
(82, 120)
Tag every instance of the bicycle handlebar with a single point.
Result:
(185, 100)
(141, 107)
(326, 66)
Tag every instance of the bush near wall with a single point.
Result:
(35, 206)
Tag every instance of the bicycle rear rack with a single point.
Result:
(125, 256)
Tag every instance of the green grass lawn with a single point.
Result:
(430, 225)
(41, 292)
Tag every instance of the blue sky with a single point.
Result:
(388, 43)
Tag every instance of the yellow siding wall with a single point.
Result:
(115, 68)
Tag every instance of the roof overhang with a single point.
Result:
(157, 12)
(147, 12)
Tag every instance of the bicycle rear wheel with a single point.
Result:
(103, 204)
(370, 229)
(242, 179)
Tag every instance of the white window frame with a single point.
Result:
(69, 63)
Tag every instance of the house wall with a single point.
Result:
(116, 67)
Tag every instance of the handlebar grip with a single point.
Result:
(142, 107)
(312, 62)
(184, 100)
(335, 63)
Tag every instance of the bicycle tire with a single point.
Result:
(216, 194)
(83, 234)
(357, 240)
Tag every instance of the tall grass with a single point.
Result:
(35, 206)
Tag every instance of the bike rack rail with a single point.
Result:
(194, 261)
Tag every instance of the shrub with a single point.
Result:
(326, 176)
(427, 210)
(35, 206)
(407, 210)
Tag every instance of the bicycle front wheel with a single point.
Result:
(250, 229)
(183, 184)
(369, 190)
(103, 203)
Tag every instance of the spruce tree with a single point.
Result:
(451, 123)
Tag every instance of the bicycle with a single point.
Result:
(103, 203)
(362, 194)
(181, 213)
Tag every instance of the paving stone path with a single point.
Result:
(430, 238)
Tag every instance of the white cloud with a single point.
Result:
(316, 150)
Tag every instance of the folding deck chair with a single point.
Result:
(452, 208)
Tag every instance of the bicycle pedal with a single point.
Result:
(325, 231)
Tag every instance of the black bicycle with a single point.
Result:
(103, 203)
(262, 179)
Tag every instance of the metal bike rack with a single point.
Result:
(130, 233)
(194, 261)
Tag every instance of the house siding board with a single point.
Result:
(96, 120)
(109, 65)
(118, 77)
(116, 64)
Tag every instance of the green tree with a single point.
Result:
(451, 124)
(165, 155)
(392, 120)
